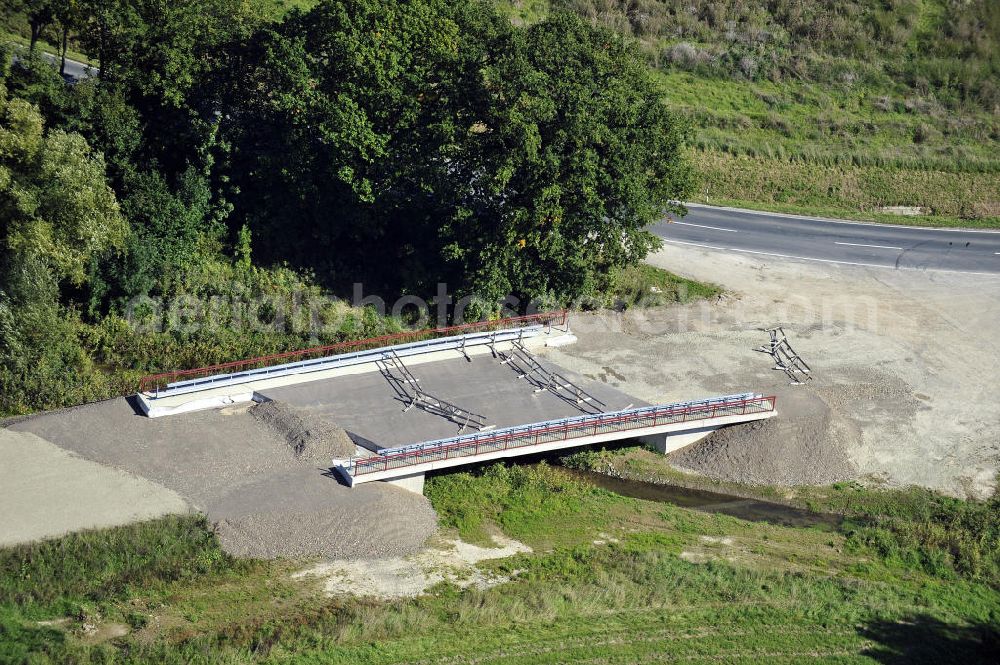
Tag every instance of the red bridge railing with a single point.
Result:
(472, 445)
(154, 381)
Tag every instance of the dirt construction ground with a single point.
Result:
(267, 499)
(262, 473)
(906, 369)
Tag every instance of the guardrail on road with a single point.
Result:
(155, 382)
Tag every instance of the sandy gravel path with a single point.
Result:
(48, 491)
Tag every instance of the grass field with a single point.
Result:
(799, 147)
(611, 579)
(842, 191)
(834, 110)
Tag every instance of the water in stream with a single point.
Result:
(752, 510)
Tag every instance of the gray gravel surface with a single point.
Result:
(261, 473)
(46, 491)
(310, 436)
(805, 445)
(267, 502)
(767, 452)
(287, 515)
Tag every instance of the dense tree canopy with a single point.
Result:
(410, 143)
(395, 143)
(55, 205)
(57, 213)
(400, 144)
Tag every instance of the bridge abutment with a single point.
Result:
(668, 442)
(413, 483)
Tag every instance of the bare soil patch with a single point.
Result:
(403, 577)
(904, 362)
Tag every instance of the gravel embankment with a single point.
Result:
(763, 453)
(46, 491)
(242, 473)
(902, 362)
(287, 515)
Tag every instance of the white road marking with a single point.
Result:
(703, 226)
(857, 244)
(836, 221)
(844, 263)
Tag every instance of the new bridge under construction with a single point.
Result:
(424, 401)
(292, 454)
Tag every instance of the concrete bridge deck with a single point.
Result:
(468, 396)
(668, 427)
(367, 407)
(183, 391)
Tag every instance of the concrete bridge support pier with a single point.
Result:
(414, 483)
(668, 442)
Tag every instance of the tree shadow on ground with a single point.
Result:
(925, 639)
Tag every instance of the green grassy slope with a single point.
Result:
(611, 579)
(828, 108)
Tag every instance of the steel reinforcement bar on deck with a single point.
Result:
(471, 445)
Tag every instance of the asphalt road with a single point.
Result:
(74, 70)
(833, 241)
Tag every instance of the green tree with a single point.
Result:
(332, 116)
(406, 143)
(152, 112)
(169, 226)
(56, 214)
(160, 56)
(71, 16)
(581, 155)
(54, 201)
(41, 14)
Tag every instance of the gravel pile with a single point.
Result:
(266, 501)
(311, 437)
(291, 516)
(765, 452)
